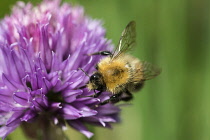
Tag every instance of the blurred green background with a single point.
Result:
(174, 35)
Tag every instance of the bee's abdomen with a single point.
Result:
(133, 87)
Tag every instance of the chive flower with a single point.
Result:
(41, 50)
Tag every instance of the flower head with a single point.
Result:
(41, 49)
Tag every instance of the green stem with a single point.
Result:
(43, 129)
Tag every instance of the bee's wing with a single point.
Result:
(127, 40)
(149, 70)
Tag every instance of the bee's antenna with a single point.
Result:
(84, 72)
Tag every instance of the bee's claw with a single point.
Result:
(94, 95)
(81, 96)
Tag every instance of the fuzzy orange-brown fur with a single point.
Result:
(118, 74)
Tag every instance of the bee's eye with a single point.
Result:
(95, 77)
(97, 80)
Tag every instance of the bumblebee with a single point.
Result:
(120, 73)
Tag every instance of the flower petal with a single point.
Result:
(70, 95)
(84, 110)
(4, 131)
(14, 119)
(29, 115)
(80, 127)
(70, 113)
(22, 98)
(9, 83)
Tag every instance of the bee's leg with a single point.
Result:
(84, 72)
(82, 87)
(97, 94)
(113, 99)
(128, 97)
(104, 53)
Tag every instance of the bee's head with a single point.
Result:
(96, 82)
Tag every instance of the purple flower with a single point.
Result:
(41, 49)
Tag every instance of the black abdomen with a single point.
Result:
(135, 87)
